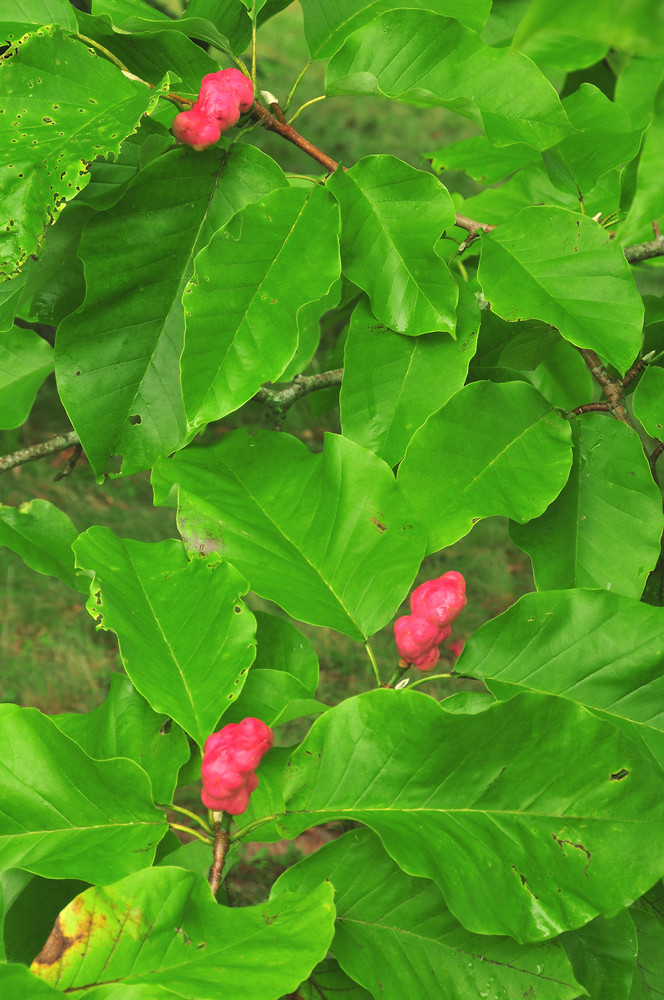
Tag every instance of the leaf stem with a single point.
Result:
(399, 672)
(371, 656)
(192, 815)
(194, 833)
(250, 827)
(298, 79)
(307, 104)
(253, 45)
(430, 677)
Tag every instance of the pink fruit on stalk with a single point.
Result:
(414, 635)
(196, 129)
(229, 759)
(227, 81)
(428, 660)
(440, 600)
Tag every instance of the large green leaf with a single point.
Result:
(327, 23)
(393, 383)
(410, 288)
(32, 904)
(481, 159)
(186, 638)
(161, 929)
(634, 25)
(605, 139)
(328, 980)
(326, 536)
(73, 108)
(596, 648)
(554, 807)
(492, 449)
(117, 358)
(42, 536)
(126, 726)
(603, 956)
(561, 267)
(19, 16)
(64, 815)
(242, 303)
(26, 359)
(232, 19)
(648, 401)
(648, 979)
(610, 503)
(395, 935)
(18, 983)
(54, 285)
(393, 57)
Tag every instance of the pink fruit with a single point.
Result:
(227, 81)
(229, 759)
(196, 129)
(428, 660)
(414, 635)
(440, 600)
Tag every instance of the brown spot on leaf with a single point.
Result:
(379, 524)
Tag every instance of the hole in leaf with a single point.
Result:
(619, 775)
(135, 419)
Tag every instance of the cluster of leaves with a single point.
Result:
(506, 842)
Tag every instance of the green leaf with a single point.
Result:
(603, 956)
(65, 815)
(26, 359)
(186, 638)
(327, 23)
(138, 257)
(19, 16)
(610, 504)
(393, 383)
(605, 139)
(32, 904)
(11, 293)
(326, 536)
(410, 288)
(88, 108)
(630, 25)
(562, 376)
(242, 302)
(648, 401)
(230, 17)
(648, 978)
(599, 649)
(42, 535)
(483, 161)
(393, 57)
(328, 980)
(162, 929)
(395, 935)
(126, 726)
(17, 983)
(55, 286)
(524, 793)
(502, 449)
(309, 318)
(560, 267)
(281, 646)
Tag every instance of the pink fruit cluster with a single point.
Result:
(222, 97)
(434, 605)
(229, 761)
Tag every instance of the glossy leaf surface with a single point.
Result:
(79, 107)
(65, 815)
(525, 792)
(393, 57)
(312, 532)
(25, 361)
(117, 358)
(124, 725)
(560, 267)
(242, 303)
(186, 638)
(409, 287)
(610, 503)
(492, 449)
(161, 930)
(395, 935)
(393, 383)
(550, 642)
(42, 536)
(648, 401)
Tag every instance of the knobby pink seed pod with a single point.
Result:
(229, 759)
(434, 605)
(221, 99)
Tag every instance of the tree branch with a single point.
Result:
(279, 401)
(645, 251)
(35, 451)
(286, 131)
(612, 388)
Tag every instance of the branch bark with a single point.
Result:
(35, 451)
(279, 401)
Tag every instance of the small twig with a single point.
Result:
(286, 131)
(472, 225)
(35, 451)
(221, 842)
(279, 401)
(71, 464)
(612, 388)
(637, 367)
(655, 455)
(589, 408)
(647, 250)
